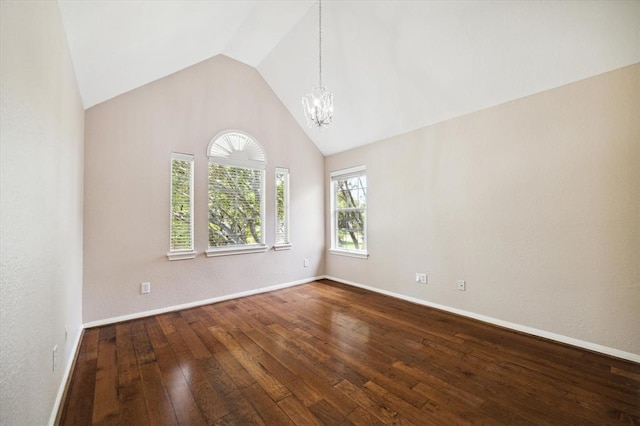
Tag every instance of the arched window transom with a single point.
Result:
(236, 148)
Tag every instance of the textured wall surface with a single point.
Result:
(535, 203)
(128, 142)
(41, 150)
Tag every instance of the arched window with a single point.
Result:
(236, 194)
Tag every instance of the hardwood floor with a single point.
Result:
(325, 353)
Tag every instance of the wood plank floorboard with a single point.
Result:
(324, 353)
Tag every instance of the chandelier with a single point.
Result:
(318, 105)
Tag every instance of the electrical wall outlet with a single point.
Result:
(145, 288)
(462, 285)
(305, 263)
(421, 278)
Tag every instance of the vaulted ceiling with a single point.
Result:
(393, 66)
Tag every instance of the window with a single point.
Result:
(349, 212)
(282, 209)
(181, 240)
(236, 194)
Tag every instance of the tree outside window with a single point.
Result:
(349, 200)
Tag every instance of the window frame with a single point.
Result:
(334, 249)
(189, 253)
(286, 244)
(255, 160)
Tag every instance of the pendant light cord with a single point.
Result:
(320, 39)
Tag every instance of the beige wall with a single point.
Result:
(41, 132)
(535, 203)
(128, 142)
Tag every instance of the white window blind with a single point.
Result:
(282, 207)
(181, 233)
(236, 205)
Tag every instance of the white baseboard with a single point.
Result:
(65, 378)
(513, 326)
(189, 305)
(506, 324)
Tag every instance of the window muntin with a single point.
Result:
(181, 219)
(349, 215)
(236, 206)
(282, 234)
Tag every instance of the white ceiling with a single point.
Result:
(393, 66)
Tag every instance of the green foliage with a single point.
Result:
(350, 202)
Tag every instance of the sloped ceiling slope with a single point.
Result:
(393, 66)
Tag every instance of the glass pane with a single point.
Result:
(350, 192)
(350, 230)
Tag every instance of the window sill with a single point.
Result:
(229, 251)
(278, 247)
(182, 255)
(357, 254)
